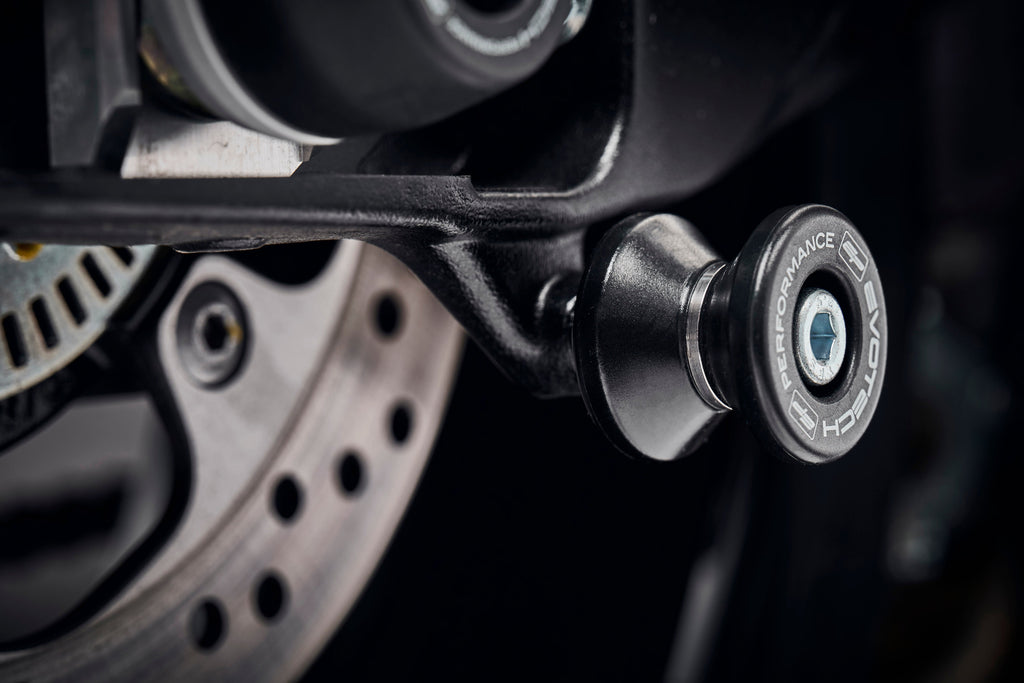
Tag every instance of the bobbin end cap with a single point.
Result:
(795, 251)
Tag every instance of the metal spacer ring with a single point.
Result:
(692, 309)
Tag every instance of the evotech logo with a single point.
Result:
(855, 258)
(803, 415)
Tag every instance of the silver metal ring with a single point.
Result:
(691, 338)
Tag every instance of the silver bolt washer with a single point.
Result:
(812, 303)
(211, 311)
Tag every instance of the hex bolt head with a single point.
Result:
(211, 334)
(820, 336)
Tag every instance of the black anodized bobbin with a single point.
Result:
(668, 338)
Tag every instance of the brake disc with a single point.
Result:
(302, 464)
(306, 413)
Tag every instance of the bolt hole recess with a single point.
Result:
(287, 499)
(270, 596)
(211, 334)
(350, 473)
(401, 422)
(215, 332)
(207, 625)
(840, 289)
(388, 315)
